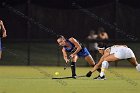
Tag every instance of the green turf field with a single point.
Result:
(37, 79)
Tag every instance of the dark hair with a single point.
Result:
(102, 45)
(60, 36)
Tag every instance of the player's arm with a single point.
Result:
(106, 53)
(65, 55)
(3, 29)
(77, 46)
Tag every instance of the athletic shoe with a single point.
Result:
(96, 77)
(74, 77)
(100, 78)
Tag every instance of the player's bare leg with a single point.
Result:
(133, 61)
(90, 60)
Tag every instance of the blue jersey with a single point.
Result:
(82, 53)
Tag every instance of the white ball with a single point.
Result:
(138, 67)
(56, 73)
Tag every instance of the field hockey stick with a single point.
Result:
(70, 59)
(66, 64)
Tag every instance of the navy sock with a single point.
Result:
(73, 68)
(99, 70)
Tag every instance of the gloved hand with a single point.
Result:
(89, 74)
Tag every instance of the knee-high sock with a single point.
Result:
(73, 68)
(105, 65)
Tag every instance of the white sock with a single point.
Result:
(102, 74)
(105, 65)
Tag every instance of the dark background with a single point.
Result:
(32, 26)
(64, 17)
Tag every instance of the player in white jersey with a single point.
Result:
(122, 52)
(113, 54)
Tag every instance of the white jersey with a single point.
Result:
(121, 52)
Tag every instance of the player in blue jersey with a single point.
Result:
(2, 35)
(76, 51)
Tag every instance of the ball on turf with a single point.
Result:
(56, 73)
